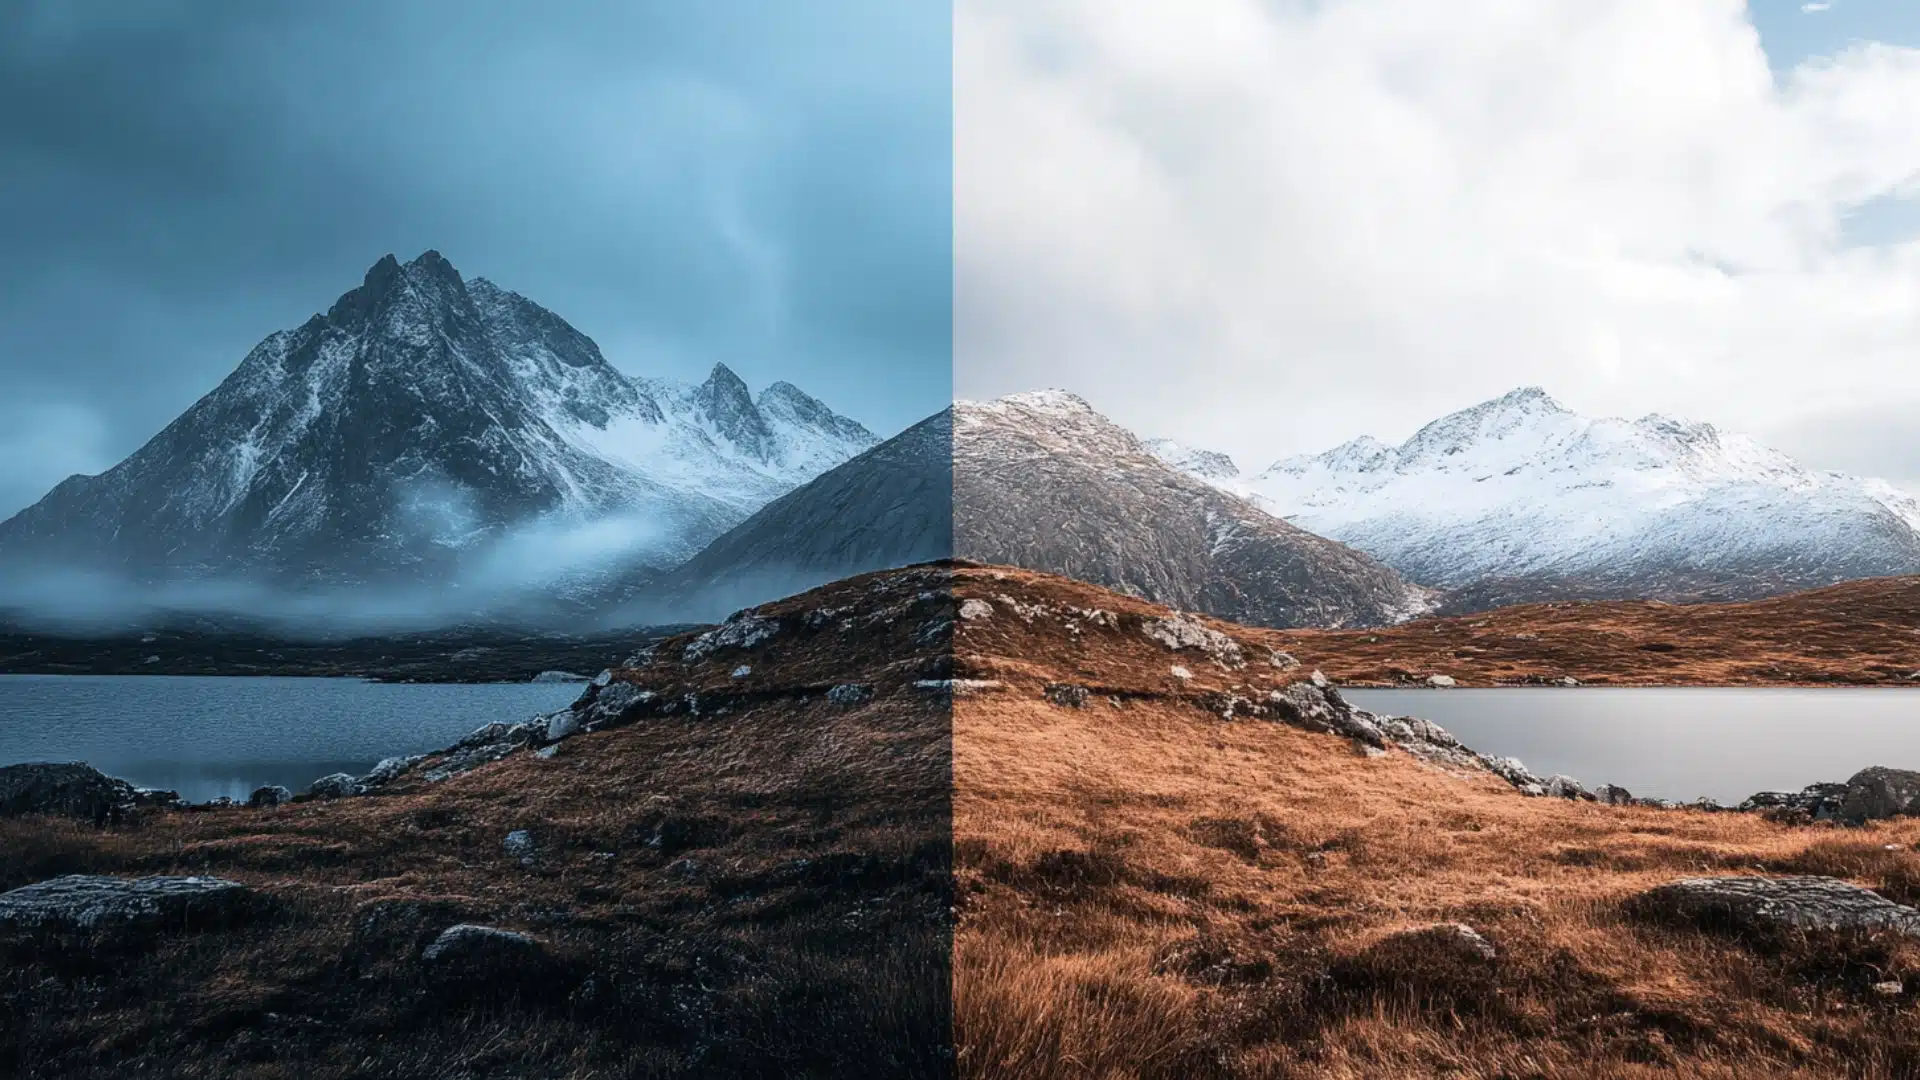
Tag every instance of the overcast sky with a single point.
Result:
(1267, 226)
(756, 182)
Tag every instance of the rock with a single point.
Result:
(1441, 681)
(1878, 793)
(402, 926)
(742, 671)
(1774, 904)
(1182, 631)
(558, 677)
(1890, 988)
(389, 770)
(73, 789)
(1514, 772)
(564, 724)
(1565, 787)
(1457, 939)
(606, 676)
(1070, 696)
(850, 694)
(157, 799)
(1613, 795)
(1180, 673)
(122, 911)
(1319, 679)
(334, 786)
(975, 610)
(1285, 661)
(270, 795)
(519, 844)
(1568, 680)
(741, 631)
(483, 957)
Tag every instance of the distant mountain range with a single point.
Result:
(1519, 498)
(1042, 481)
(430, 428)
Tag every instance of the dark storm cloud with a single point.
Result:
(761, 183)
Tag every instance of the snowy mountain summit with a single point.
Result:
(430, 428)
(1520, 498)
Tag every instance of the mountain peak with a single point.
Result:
(724, 400)
(430, 264)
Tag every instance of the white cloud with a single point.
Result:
(1268, 226)
(1810, 9)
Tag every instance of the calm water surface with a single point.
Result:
(1678, 743)
(210, 736)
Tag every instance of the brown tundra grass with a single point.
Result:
(1147, 890)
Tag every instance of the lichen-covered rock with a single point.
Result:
(742, 631)
(1072, 697)
(70, 789)
(975, 611)
(1775, 904)
(120, 911)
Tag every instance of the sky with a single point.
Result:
(1268, 226)
(757, 183)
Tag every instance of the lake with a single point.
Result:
(210, 736)
(1677, 743)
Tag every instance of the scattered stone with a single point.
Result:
(975, 610)
(484, 956)
(1182, 631)
(1456, 939)
(1613, 795)
(334, 786)
(157, 799)
(120, 910)
(1773, 904)
(1440, 681)
(742, 671)
(519, 844)
(1890, 988)
(1565, 787)
(72, 789)
(1568, 680)
(606, 674)
(1815, 802)
(741, 631)
(1283, 660)
(1319, 679)
(563, 725)
(270, 795)
(389, 770)
(850, 694)
(1067, 695)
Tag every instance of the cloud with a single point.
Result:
(1265, 227)
(1813, 8)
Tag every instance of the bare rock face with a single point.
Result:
(72, 790)
(120, 910)
(1776, 904)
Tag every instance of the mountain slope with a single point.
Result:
(1519, 499)
(1042, 481)
(418, 422)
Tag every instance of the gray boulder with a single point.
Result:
(1613, 795)
(1880, 792)
(120, 910)
(334, 786)
(849, 694)
(483, 958)
(1776, 904)
(71, 789)
(270, 795)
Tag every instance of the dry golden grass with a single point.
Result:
(1148, 890)
(1858, 633)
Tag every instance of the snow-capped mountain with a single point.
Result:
(1520, 498)
(1040, 480)
(427, 427)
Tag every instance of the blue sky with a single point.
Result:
(1794, 31)
(760, 183)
